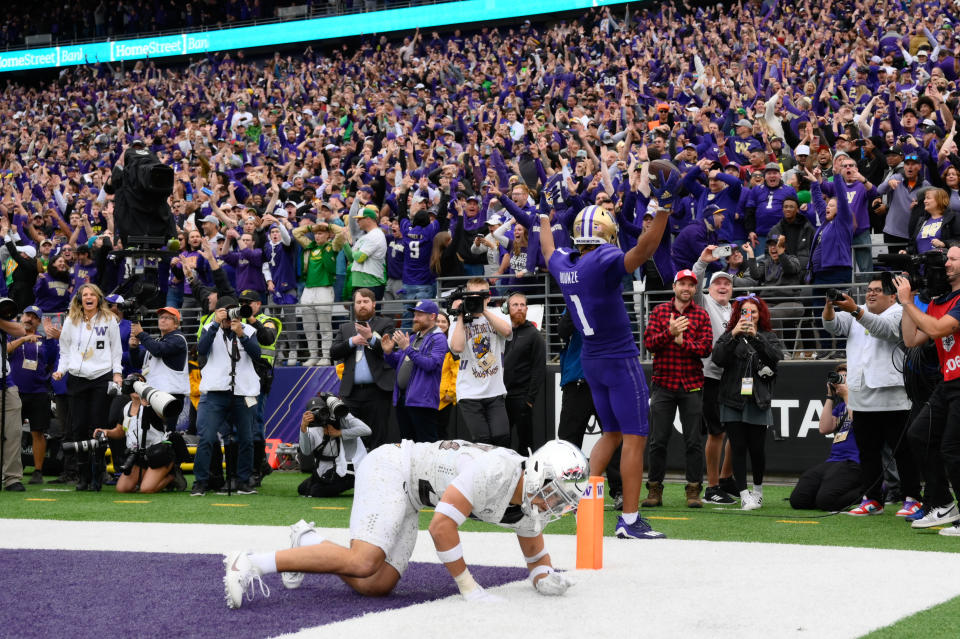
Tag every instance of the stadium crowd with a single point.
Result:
(366, 171)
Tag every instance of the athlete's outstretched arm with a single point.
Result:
(647, 243)
(452, 511)
(546, 238)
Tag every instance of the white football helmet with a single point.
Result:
(554, 477)
(594, 226)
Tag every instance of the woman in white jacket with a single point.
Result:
(90, 351)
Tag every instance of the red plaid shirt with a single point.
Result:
(678, 367)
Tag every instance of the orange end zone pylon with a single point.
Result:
(590, 527)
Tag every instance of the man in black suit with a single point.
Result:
(367, 383)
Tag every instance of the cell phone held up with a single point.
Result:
(723, 251)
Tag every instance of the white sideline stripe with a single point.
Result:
(661, 588)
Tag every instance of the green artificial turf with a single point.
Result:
(278, 505)
(923, 624)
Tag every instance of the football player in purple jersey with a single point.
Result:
(590, 279)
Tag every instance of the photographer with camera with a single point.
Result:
(163, 360)
(230, 386)
(479, 336)
(835, 483)
(91, 351)
(877, 395)
(151, 462)
(934, 435)
(268, 335)
(329, 441)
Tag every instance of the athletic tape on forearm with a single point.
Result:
(537, 557)
(450, 511)
(539, 570)
(446, 556)
(465, 582)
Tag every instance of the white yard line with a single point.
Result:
(663, 588)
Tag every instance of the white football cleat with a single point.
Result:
(239, 577)
(292, 580)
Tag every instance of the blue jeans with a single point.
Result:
(258, 419)
(473, 270)
(175, 296)
(864, 255)
(219, 412)
(415, 292)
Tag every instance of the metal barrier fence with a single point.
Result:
(795, 313)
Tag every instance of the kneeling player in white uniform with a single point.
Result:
(456, 478)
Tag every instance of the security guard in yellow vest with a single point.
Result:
(268, 334)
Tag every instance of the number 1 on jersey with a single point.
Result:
(587, 329)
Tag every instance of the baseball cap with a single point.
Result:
(171, 310)
(772, 166)
(911, 157)
(227, 302)
(773, 238)
(249, 296)
(803, 149)
(114, 299)
(210, 218)
(744, 122)
(426, 306)
(368, 212)
(35, 310)
(684, 274)
(720, 275)
(895, 150)
(29, 250)
(493, 220)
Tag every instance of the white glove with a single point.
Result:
(554, 584)
(479, 595)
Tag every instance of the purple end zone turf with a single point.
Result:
(61, 593)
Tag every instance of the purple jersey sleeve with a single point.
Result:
(591, 286)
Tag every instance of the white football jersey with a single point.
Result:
(486, 475)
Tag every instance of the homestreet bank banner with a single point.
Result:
(263, 35)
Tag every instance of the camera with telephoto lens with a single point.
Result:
(8, 309)
(132, 460)
(834, 378)
(241, 312)
(133, 311)
(98, 442)
(927, 272)
(472, 303)
(163, 404)
(327, 409)
(835, 294)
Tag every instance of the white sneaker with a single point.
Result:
(239, 579)
(938, 517)
(292, 580)
(748, 501)
(311, 362)
(324, 362)
(951, 531)
(757, 497)
(291, 362)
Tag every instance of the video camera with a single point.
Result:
(472, 305)
(927, 273)
(95, 444)
(327, 409)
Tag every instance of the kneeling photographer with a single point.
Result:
(934, 435)
(329, 441)
(153, 457)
